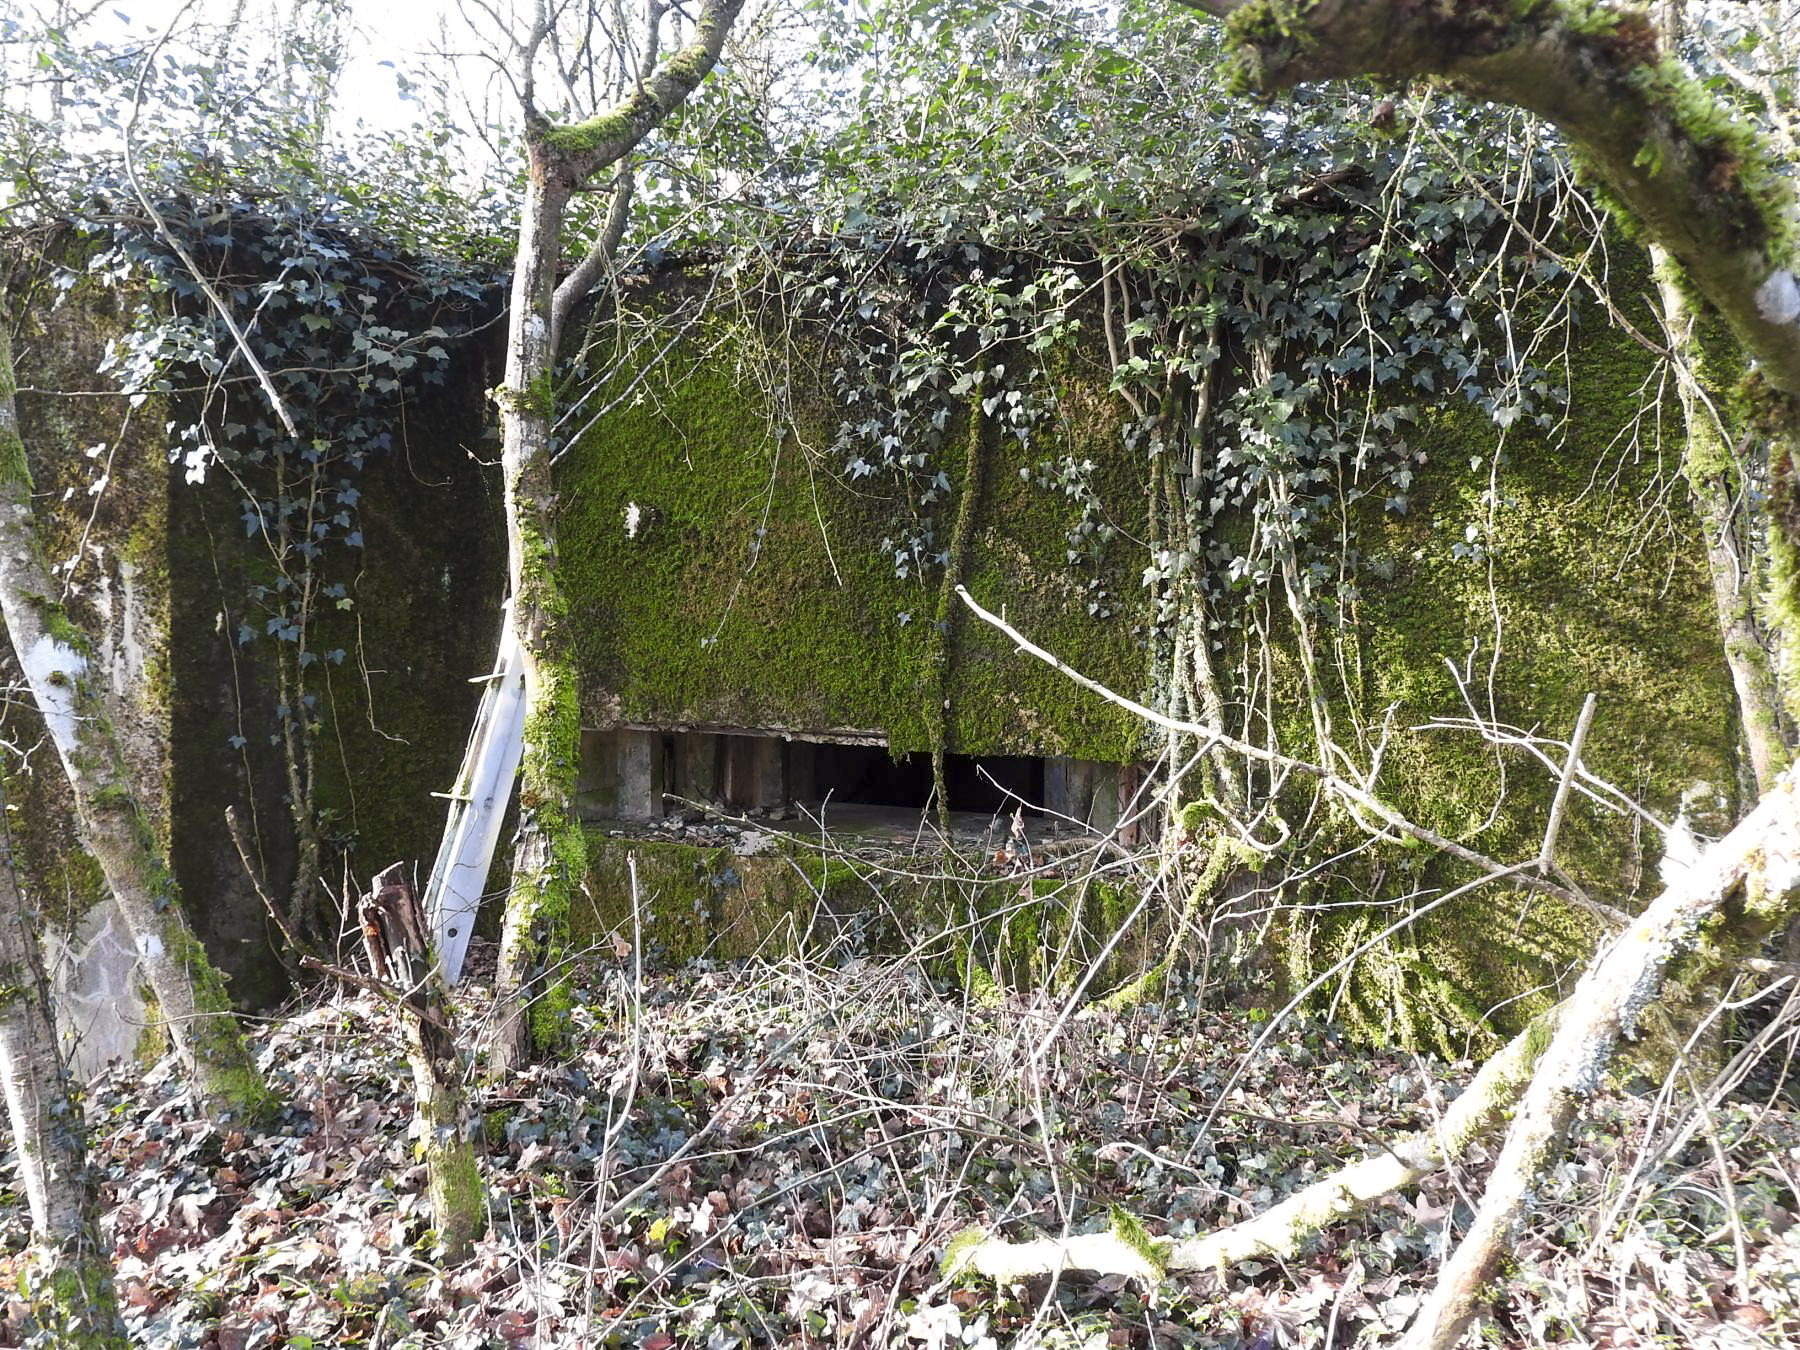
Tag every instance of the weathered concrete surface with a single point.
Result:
(100, 1009)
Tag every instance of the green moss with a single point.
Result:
(583, 138)
(949, 608)
(233, 1086)
(15, 470)
(959, 1249)
(547, 779)
(457, 1203)
(755, 555)
(61, 628)
(696, 901)
(1583, 602)
(1731, 152)
(70, 1298)
(1130, 1230)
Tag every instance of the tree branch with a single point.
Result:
(1335, 783)
(572, 289)
(1675, 162)
(573, 154)
(1282, 1230)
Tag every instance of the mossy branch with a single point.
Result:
(1758, 863)
(573, 154)
(1676, 165)
(1283, 1229)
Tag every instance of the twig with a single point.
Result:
(305, 950)
(308, 959)
(1546, 854)
(1343, 787)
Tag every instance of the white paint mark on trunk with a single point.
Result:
(53, 669)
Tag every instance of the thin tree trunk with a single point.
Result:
(550, 857)
(70, 1289)
(1716, 483)
(397, 939)
(190, 993)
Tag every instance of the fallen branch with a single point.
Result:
(1758, 863)
(1283, 1229)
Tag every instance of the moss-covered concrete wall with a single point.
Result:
(165, 579)
(393, 716)
(756, 591)
(1544, 562)
(990, 931)
(1587, 574)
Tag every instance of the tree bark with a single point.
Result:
(550, 857)
(1720, 495)
(397, 940)
(190, 993)
(70, 1288)
(1678, 164)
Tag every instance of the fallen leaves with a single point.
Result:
(831, 1129)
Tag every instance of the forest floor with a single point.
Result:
(851, 1120)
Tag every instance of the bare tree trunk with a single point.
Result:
(70, 1289)
(397, 939)
(190, 993)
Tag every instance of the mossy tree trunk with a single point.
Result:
(190, 993)
(69, 1291)
(395, 936)
(1721, 497)
(550, 859)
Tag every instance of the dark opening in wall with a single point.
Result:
(867, 775)
(646, 773)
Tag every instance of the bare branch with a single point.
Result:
(1350, 792)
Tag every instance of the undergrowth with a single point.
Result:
(763, 1154)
